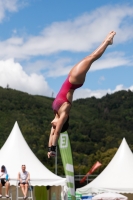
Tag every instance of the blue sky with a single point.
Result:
(41, 41)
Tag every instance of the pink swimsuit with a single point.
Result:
(62, 95)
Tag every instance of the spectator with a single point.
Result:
(4, 181)
(23, 178)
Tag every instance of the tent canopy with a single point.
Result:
(16, 152)
(117, 176)
(109, 196)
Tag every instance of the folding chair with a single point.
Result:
(30, 192)
(10, 194)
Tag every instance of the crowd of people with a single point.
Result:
(23, 181)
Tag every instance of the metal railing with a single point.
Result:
(88, 179)
(79, 177)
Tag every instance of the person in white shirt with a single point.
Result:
(24, 178)
(4, 181)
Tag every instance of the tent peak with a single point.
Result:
(16, 123)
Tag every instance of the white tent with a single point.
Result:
(116, 177)
(16, 152)
(109, 196)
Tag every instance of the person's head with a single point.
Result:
(23, 167)
(3, 168)
(65, 125)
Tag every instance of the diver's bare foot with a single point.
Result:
(110, 37)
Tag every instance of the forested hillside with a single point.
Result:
(97, 126)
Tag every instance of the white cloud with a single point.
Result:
(79, 35)
(56, 68)
(14, 31)
(86, 93)
(9, 6)
(12, 73)
(62, 66)
(82, 34)
(111, 60)
(102, 78)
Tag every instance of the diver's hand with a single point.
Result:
(51, 154)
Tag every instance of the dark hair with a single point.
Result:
(65, 125)
(3, 168)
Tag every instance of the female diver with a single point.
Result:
(63, 101)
